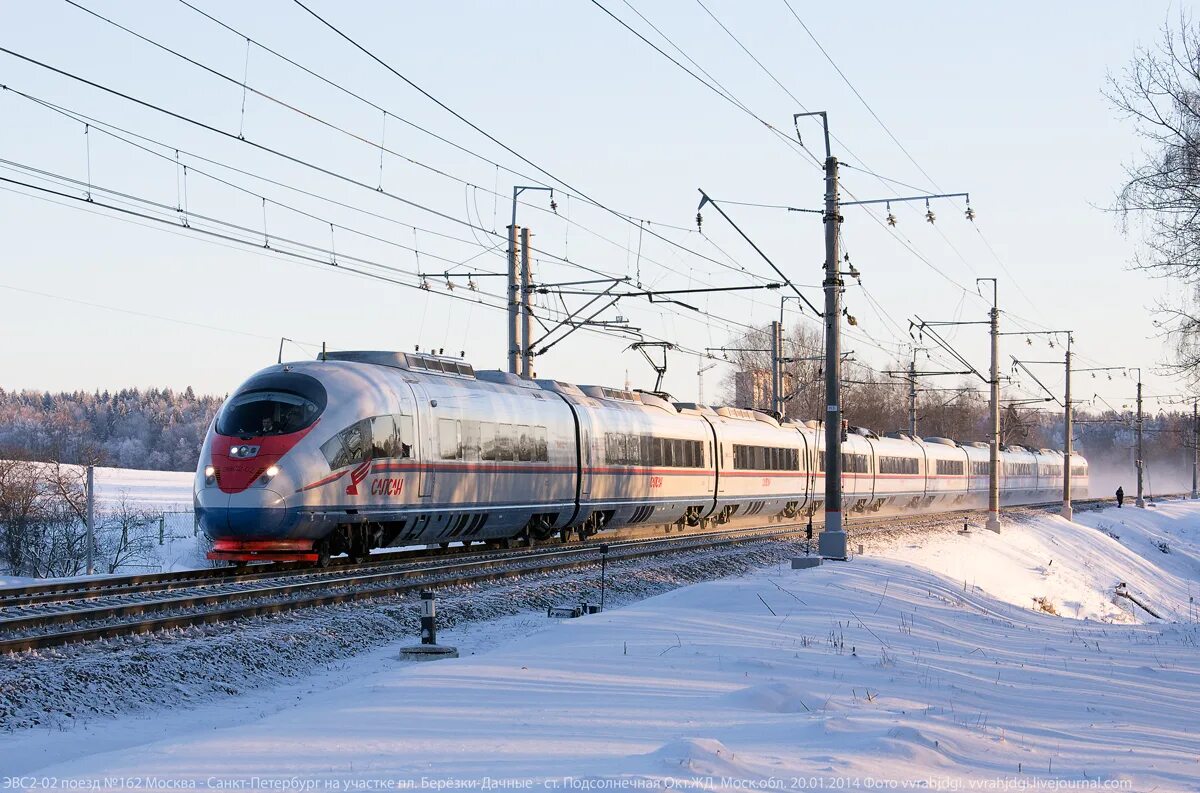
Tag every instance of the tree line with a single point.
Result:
(155, 429)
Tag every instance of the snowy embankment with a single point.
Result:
(932, 659)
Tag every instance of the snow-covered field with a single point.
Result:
(932, 661)
(163, 491)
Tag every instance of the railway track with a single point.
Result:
(49, 615)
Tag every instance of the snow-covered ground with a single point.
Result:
(926, 661)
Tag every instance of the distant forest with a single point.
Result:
(157, 429)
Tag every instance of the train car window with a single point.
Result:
(487, 440)
(898, 465)
(524, 443)
(950, 467)
(383, 437)
(260, 413)
(541, 452)
(448, 439)
(980, 468)
(854, 463)
(350, 446)
(470, 440)
(506, 442)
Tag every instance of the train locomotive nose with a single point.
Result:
(260, 512)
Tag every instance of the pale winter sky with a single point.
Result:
(999, 100)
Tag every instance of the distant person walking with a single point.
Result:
(1120, 496)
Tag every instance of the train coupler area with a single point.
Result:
(263, 551)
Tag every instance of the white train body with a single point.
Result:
(375, 449)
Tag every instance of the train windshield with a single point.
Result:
(259, 413)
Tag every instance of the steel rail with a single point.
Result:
(460, 573)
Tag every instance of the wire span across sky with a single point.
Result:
(355, 142)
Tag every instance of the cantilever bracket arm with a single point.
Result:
(704, 199)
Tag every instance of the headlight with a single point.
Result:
(210, 475)
(269, 474)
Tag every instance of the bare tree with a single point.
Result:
(125, 535)
(1160, 92)
(22, 501)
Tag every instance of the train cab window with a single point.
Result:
(260, 413)
(384, 442)
(448, 439)
(404, 433)
(350, 446)
(524, 443)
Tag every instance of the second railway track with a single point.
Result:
(52, 615)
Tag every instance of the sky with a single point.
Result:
(1001, 101)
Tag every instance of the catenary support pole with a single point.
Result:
(993, 520)
(1067, 511)
(1141, 461)
(1195, 448)
(912, 395)
(514, 301)
(776, 368)
(91, 519)
(526, 308)
(832, 541)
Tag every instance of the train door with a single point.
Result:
(873, 466)
(585, 461)
(425, 435)
(806, 479)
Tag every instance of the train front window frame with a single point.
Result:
(257, 414)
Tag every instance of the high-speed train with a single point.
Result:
(361, 450)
